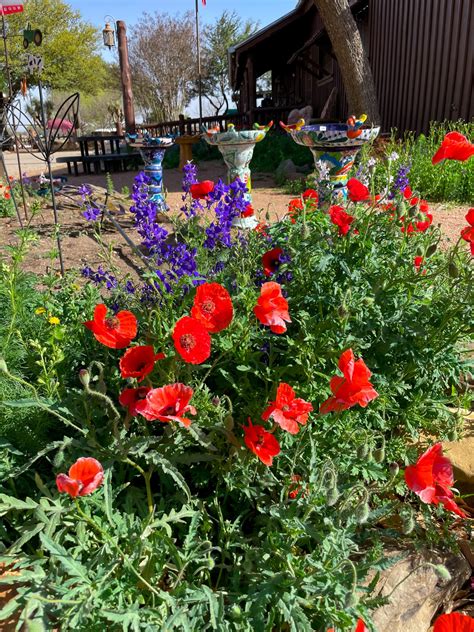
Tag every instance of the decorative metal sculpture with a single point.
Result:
(237, 148)
(334, 146)
(41, 140)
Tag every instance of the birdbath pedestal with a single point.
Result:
(186, 143)
(335, 145)
(153, 152)
(237, 148)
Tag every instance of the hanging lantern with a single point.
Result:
(108, 35)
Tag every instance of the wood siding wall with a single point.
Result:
(422, 53)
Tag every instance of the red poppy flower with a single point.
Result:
(139, 361)
(418, 262)
(358, 192)
(407, 192)
(201, 190)
(261, 442)
(354, 388)
(249, 212)
(192, 340)
(424, 206)
(431, 479)
(84, 476)
(130, 396)
(455, 146)
(261, 229)
(116, 331)
(272, 308)
(168, 403)
(288, 410)
(294, 208)
(7, 196)
(271, 261)
(311, 194)
(340, 218)
(454, 622)
(212, 307)
(296, 487)
(468, 233)
(423, 225)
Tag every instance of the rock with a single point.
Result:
(287, 170)
(418, 592)
(461, 454)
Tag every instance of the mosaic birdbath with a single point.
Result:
(237, 148)
(152, 151)
(335, 146)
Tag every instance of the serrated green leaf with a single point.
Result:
(72, 566)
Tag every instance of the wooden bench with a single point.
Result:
(118, 162)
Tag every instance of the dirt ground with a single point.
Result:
(78, 243)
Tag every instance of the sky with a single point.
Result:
(262, 11)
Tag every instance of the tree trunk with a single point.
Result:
(353, 62)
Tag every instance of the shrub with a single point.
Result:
(228, 500)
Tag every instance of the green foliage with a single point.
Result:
(189, 530)
(452, 181)
(70, 47)
(227, 31)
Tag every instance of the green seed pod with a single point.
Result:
(431, 250)
(229, 422)
(362, 512)
(332, 496)
(379, 454)
(351, 600)
(84, 378)
(442, 572)
(453, 271)
(408, 523)
(394, 469)
(3, 366)
(363, 450)
(236, 612)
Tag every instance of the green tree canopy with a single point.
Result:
(70, 48)
(226, 31)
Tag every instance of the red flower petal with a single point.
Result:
(84, 476)
(116, 331)
(288, 410)
(261, 442)
(139, 361)
(271, 261)
(470, 217)
(454, 622)
(200, 190)
(358, 192)
(192, 340)
(168, 403)
(131, 396)
(212, 307)
(272, 308)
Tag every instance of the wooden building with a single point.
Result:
(421, 53)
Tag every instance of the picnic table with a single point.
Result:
(100, 153)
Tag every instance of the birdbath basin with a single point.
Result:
(335, 145)
(152, 151)
(237, 148)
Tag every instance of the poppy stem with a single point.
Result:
(147, 477)
(111, 541)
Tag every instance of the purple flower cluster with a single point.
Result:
(401, 180)
(100, 277)
(92, 213)
(229, 202)
(190, 208)
(176, 257)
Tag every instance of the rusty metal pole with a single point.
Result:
(126, 78)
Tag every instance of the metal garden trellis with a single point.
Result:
(44, 138)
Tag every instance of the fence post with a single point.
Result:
(181, 124)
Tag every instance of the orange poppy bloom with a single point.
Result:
(115, 331)
(272, 308)
(213, 307)
(84, 477)
(288, 410)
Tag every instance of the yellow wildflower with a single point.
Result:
(53, 320)
(40, 310)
